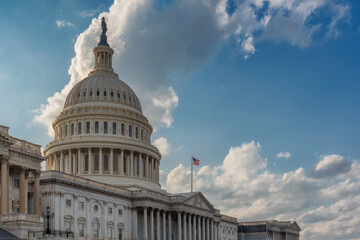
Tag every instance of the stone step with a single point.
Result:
(5, 235)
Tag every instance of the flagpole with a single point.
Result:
(191, 163)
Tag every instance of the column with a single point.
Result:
(134, 223)
(4, 186)
(216, 232)
(128, 165)
(179, 226)
(56, 164)
(158, 224)
(74, 164)
(203, 229)
(189, 222)
(147, 166)
(169, 226)
(90, 163)
(132, 163)
(164, 225)
(111, 162)
(152, 224)
(150, 164)
(184, 226)
(79, 170)
(22, 189)
(141, 174)
(145, 224)
(207, 229)
(61, 161)
(121, 163)
(101, 161)
(194, 227)
(199, 228)
(37, 194)
(157, 170)
(69, 162)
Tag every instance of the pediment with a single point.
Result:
(198, 200)
(294, 225)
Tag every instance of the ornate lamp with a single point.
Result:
(48, 215)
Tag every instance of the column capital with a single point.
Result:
(4, 159)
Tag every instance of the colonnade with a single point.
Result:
(23, 188)
(189, 226)
(104, 161)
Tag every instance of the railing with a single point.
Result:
(54, 233)
(26, 146)
(20, 216)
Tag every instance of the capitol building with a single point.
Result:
(101, 177)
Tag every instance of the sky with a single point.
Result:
(264, 93)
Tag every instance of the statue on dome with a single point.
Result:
(103, 37)
(103, 25)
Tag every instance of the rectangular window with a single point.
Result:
(79, 128)
(114, 128)
(72, 129)
(110, 210)
(81, 229)
(81, 205)
(110, 232)
(120, 212)
(120, 234)
(68, 226)
(68, 202)
(87, 127)
(16, 183)
(66, 130)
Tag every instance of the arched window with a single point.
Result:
(84, 94)
(96, 127)
(105, 127)
(106, 162)
(87, 127)
(96, 162)
(79, 128)
(136, 133)
(90, 93)
(112, 94)
(114, 128)
(66, 130)
(118, 94)
(97, 93)
(142, 134)
(72, 129)
(104, 93)
(122, 129)
(130, 131)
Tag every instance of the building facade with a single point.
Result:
(20, 184)
(268, 230)
(102, 173)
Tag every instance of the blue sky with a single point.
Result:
(289, 82)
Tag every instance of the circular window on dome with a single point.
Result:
(96, 208)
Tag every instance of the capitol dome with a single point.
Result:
(102, 134)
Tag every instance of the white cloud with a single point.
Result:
(152, 44)
(163, 145)
(244, 187)
(92, 12)
(332, 165)
(62, 24)
(342, 12)
(283, 155)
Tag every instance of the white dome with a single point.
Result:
(102, 86)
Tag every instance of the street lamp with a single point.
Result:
(48, 215)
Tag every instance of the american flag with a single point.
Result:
(196, 161)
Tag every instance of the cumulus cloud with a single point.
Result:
(283, 155)
(153, 43)
(332, 165)
(163, 145)
(244, 187)
(61, 24)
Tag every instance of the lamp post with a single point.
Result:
(48, 215)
